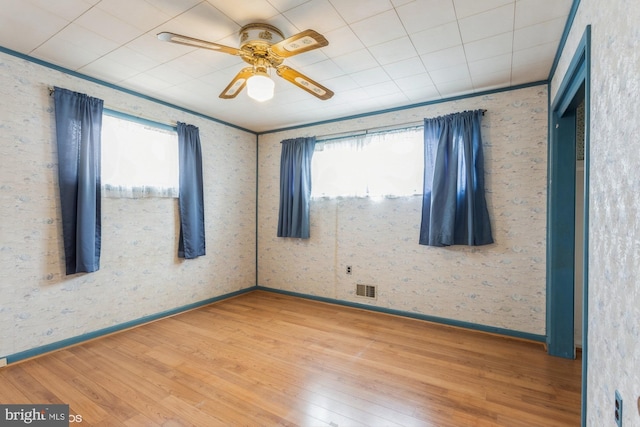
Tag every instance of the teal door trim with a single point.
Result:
(561, 212)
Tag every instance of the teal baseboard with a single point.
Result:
(441, 320)
(38, 351)
(47, 348)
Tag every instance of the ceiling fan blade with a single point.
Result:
(304, 82)
(301, 42)
(237, 84)
(190, 41)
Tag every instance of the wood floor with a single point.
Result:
(265, 359)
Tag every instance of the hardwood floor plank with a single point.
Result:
(266, 359)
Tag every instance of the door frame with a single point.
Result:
(561, 210)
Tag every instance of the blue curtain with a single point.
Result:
(191, 200)
(78, 127)
(454, 210)
(295, 187)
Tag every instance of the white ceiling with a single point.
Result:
(382, 53)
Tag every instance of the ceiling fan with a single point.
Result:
(263, 47)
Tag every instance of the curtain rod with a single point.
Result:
(132, 117)
(380, 129)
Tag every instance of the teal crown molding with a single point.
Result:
(116, 87)
(406, 107)
(195, 113)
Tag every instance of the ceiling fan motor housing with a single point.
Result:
(259, 34)
(256, 39)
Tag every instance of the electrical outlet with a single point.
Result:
(3, 362)
(618, 413)
(349, 269)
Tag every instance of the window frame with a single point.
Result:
(136, 192)
(353, 138)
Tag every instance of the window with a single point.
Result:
(369, 165)
(139, 158)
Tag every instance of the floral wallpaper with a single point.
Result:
(140, 273)
(613, 357)
(499, 285)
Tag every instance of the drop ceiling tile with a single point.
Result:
(173, 8)
(351, 96)
(285, 5)
(393, 51)
(456, 88)
(290, 94)
(357, 10)
(319, 15)
(489, 47)
(203, 59)
(219, 79)
(529, 73)
(144, 82)
(449, 74)
(379, 29)
(81, 46)
(169, 73)
(149, 46)
(17, 16)
(487, 24)
(65, 54)
(107, 69)
(341, 83)
(139, 14)
(370, 77)
(534, 54)
(405, 68)
(438, 38)
(491, 80)
(133, 59)
(391, 100)
(423, 94)
(356, 61)
(534, 35)
(321, 71)
(202, 22)
(65, 9)
(532, 12)
(490, 65)
(251, 11)
(381, 89)
(192, 91)
(420, 83)
(465, 8)
(444, 58)
(425, 14)
(341, 41)
(397, 3)
(108, 26)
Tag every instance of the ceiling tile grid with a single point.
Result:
(381, 53)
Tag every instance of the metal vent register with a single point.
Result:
(367, 291)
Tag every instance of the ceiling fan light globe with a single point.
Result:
(260, 87)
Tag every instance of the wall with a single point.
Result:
(613, 355)
(500, 285)
(141, 274)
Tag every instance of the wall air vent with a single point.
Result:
(367, 291)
